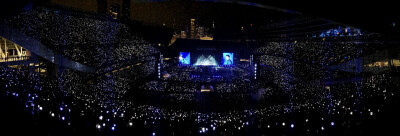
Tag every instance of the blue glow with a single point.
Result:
(184, 58)
(206, 61)
(227, 58)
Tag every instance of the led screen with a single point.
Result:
(205, 60)
(184, 57)
(227, 58)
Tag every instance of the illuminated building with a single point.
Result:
(192, 28)
(10, 51)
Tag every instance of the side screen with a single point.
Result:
(227, 58)
(184, 58)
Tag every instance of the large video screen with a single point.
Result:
(227, 58)
(205, 60)
(184, 58)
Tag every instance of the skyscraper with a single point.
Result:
(192, 28)
(126, 9)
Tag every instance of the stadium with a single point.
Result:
(198, 67)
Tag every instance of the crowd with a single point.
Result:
(319, 53)
(94, 42)
(104, 97)
(309, 60)
(293, 87)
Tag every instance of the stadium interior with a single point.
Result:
(198, 67)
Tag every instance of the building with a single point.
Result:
(192, 28)
(10, 51)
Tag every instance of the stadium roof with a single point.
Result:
(368, 15)
(182, 45)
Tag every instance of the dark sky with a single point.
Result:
(370, 15)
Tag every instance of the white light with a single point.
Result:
(351, 113)
(52, 114)
(104, 124)
(283, 124)
(40, 108)
(203, 129)
(332, 123)
(292, 125)
(268, 126)
(98, 126)
(371, 113)
(63, 118)
(322, 128)
(202, 60)
(306, 120)
(154, 134)
(130, 123)
(101, 117)
(113, 128)
(61, 108)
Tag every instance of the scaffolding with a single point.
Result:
(10, 51)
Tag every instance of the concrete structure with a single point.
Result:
(39, 49)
